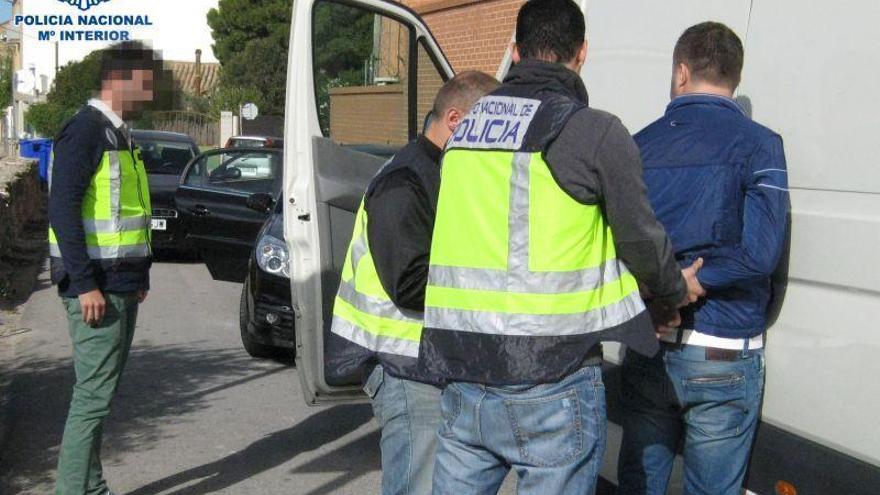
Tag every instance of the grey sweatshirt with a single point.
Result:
(595, 160)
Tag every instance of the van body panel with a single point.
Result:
(629, 55)
(810, 74)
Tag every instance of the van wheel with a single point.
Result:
(255, 349)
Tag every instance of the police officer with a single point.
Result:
(542, 236)
(99, 238)
(378, 310)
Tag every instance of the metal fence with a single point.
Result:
(203, 128)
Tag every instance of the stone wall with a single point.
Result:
(22, 200)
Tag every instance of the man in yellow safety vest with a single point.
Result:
(378, 309)
(542, 237)
(99, 242)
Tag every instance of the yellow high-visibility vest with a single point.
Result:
(363, 312)
(513, 254)
(115, 209)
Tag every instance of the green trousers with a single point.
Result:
(99, 355)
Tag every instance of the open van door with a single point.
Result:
(362, 76)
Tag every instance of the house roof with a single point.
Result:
(185, 73)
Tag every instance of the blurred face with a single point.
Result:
(129, 91)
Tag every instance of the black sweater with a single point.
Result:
(401, 204)
(78, 151)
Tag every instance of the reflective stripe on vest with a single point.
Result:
(363, 312)
(115, 209)
(514, 254)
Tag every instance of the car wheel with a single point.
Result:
(253, 348)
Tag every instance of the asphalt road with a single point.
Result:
(194, 413)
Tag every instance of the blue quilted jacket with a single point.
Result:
(718, 183)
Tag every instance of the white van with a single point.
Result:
(362, 74)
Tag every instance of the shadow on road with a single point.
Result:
(160, 384)
(351, 460)
(354, 459)
(176, 256)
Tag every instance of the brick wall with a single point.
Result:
(429, 83)
(474, 34)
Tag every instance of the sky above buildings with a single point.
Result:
(5, 10)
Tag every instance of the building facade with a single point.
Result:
(474, 34)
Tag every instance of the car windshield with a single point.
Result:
(246, 143)
(165, 157)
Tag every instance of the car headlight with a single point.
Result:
(272, 256)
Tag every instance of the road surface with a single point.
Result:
(194, 413)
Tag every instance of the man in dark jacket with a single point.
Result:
(99, 215)
(382, 293)
(717, 181)
(542, 236)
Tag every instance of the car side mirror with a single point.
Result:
(231, 173)
(261, 202)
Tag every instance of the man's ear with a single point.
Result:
(453, 118)
(682, 75)
(581, 56)
(514, 53)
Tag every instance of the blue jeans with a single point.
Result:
(552, 435)
(712, 407)
(409, 414)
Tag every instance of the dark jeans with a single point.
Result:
(679, 396)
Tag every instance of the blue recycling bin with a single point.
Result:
(41, 149)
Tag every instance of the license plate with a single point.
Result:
(158, 224)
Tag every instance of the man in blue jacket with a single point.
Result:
(717, 181)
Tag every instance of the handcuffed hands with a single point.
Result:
(667, 319)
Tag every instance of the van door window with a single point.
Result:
(362, 74)
(428, 83)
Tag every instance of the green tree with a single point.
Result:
(343, 40)
(250, 41)
(77, 82)
(74, 84)
(6, 81)
(343, 37)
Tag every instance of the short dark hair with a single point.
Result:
(128, 56)
(552, 30)
(713, 53)
(463, 90)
